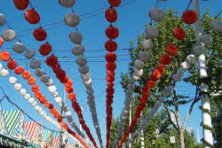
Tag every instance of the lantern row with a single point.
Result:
(33, 17)
(72, 19)
(19, 47)
(19, 70)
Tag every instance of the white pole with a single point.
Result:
(141, 133)
(206, 117)
(130, 120)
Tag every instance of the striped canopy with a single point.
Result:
(11, 119)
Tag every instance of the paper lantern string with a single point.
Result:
(34, 64)
(72, 20)
(36, 90)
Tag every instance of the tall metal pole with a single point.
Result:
(141, 133)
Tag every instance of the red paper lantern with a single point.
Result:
(172, 49)
(52, 111)
(110, 84)
(72, 97)
(51, 106)
(111, 46)
(161, 67)
(56, 68)
(111, 15)
(39, 34)
(110, 66)
(1, 41)
(19, 70)
(153, 78)
(45, 49)
(31, 81)
(165, 59)
(150, 84)
(178, 33)
(112, 32)
(110, 57)
(114, 3)
(110, 91)
(12, 64)
(51, 60)
(189, 17)
(26, 75)
(35, 88)
(69, 89)
(38, 95)
(32, 16)
(110, 79)
(21, 4)
(5, 56)
(157, 73)
(61, 74)
(69, 83)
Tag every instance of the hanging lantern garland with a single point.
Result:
(30, 99)
(72, 19)
(40, 34)
(19, 47)
(111, 46)
(36, 90)
(172, 50)
(147, 44)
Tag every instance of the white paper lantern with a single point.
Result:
(4, 72)
(88, 82)
(147, 44)
(29, 54)
(216, 25)
(17, 86)
(8, 35)
(33, 102)
(168, 91)
(67, 3)
(49, 82)
(156, 14)
(191, 59)
(78, 50)
(39, 72)
(23, 91)
(58, 99)
(1, 66)
(85, 77)
(35, 64)
(185, 65)
(138, 72)
(84, 69)
(27, 96)
(207, 39)
(135, 77)
(72, 19)
(19, 47)
(138, 64)
(198, 49)
(2, 19)
(76, 37)
(52, 88)
(143, 56)
(81, 60)
(151, 31)
(12, 80)
(44, 78)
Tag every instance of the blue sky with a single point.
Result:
(132, 19)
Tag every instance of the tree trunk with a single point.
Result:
(182, 142)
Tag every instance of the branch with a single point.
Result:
(196, 99)
(168, 113)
